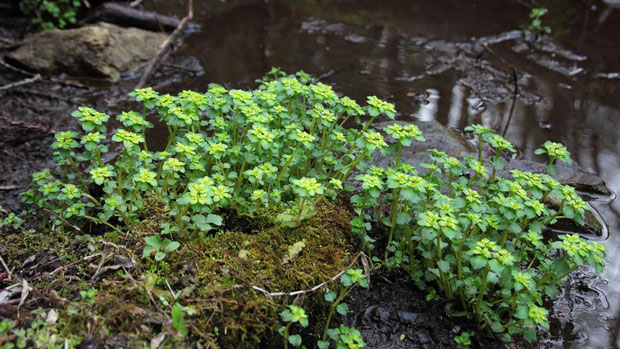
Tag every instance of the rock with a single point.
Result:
(408, 317)
(437, 136)
(102, 50)
(572, 175)
(452, 143)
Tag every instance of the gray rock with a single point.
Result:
(571, 175)
(452, 143)
(101, 50)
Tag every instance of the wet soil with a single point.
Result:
(443, 60)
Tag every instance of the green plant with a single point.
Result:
(554, 151)
(536, 28)
(10, 220)
(44, 330)
(88, 296)
(475, 239)
(346, 338)
(269, 154)
(157, 248)
(463, 340)
(178, 321)
(349, 279)
(51, 14)
(293, 314)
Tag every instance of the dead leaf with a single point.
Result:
(366, 269)
(158, 340)
(52, 317)
(25, 291)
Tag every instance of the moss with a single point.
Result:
(212, 275)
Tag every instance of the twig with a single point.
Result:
(52, 79)
(296, 293)
(514, 102)
(87, 258)
(21, 82)
(6, 268)
(176, 66)
(135, 3)
(171, 291)
(73, 227)
(515, 92)
(16, 156)
(162, 48)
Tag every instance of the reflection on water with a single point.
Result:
(451, 61)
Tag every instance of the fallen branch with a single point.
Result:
(73, 227)
(21, 82)
(153, 63)
(123, 15)
(8, 271)
(81, 260)
(43, 79)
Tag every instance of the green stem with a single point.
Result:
(332, 309)
(286, 335)
(99, 221)
(481, 290)
(301, 209)
(395, 198)
(79, 173)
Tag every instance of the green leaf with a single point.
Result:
(214, 219)
(178, 322)
(478, 262)
(322, 344)
(286, 315)
(159, 256)
(172, 246)
(295, 340)
(330, 296)
(443, 266)
(154, 241)
(342, 309)
(522, 312)
(560, 266)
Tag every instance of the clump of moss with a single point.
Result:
(213, 275)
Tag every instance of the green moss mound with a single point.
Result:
(218, 278)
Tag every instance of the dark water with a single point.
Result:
(452, 61)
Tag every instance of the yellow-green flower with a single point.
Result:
(145, 176)
(307, 186)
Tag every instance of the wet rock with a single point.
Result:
(102, 50)
(437, 137)
(408, 317)
(571, 175)
(452, 143)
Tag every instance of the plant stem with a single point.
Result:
(343, 292)
(481, 290)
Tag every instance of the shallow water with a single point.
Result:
(453, 62)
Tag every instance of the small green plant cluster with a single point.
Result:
(536, 28)
(476, 239)
(44, 331)
(343, 337)
(51, 14)
(10, 220)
